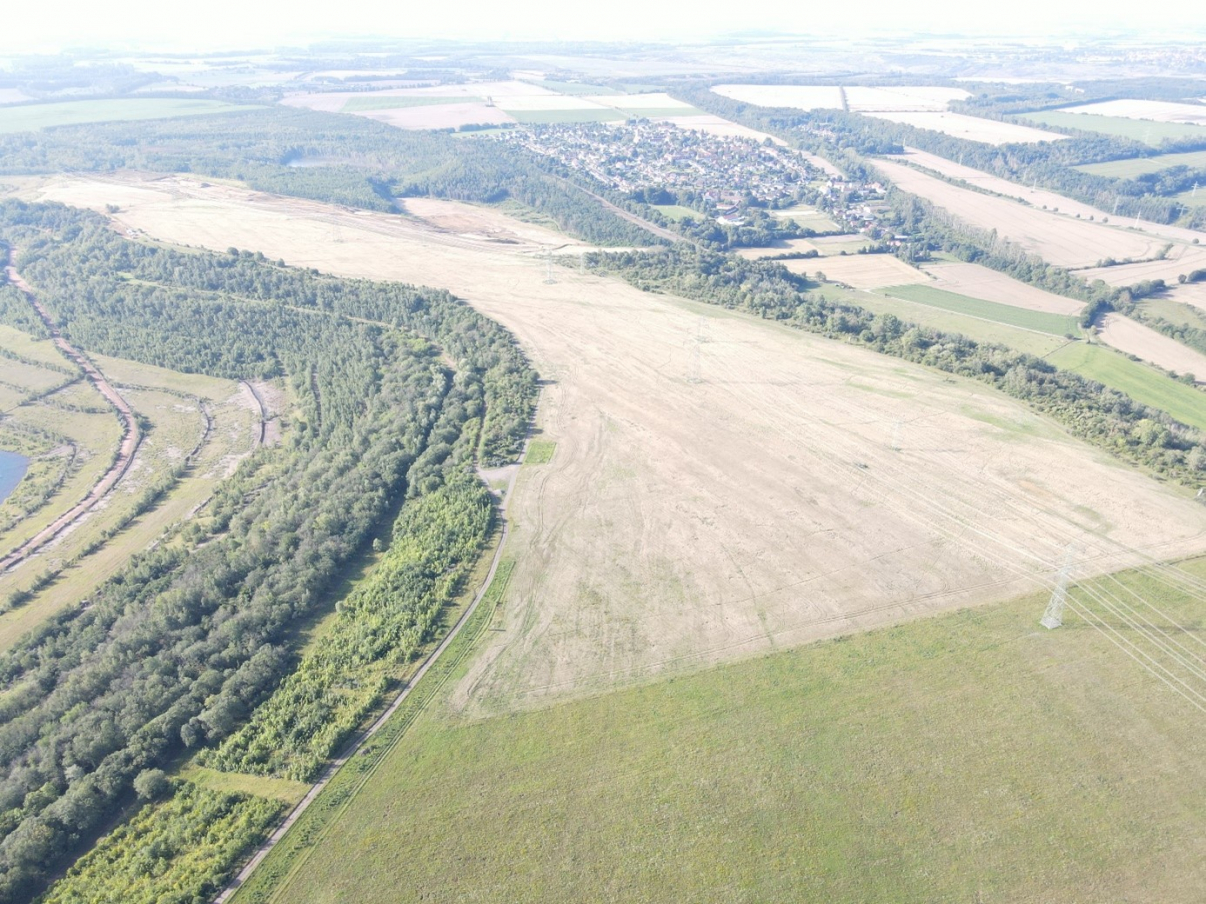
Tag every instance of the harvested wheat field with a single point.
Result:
(1180, 259)
(784, 246)
(1194, 294)
(973, 128)
(1155, 110)
(721, 485)
(1041, 198)
(976, 281)
(439, 116)
(863, 271)
(719, 126)
(1059, 240)
(1143, 342)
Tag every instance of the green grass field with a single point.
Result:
(969, 757)
(75, 112)
(370, 102)
(1144, 130)
(1193, 198)
(540, 452)
(677, 212)
(552, 116)
(1055, 324)
(1129, 169)
(1141, 382)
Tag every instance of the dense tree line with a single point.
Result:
(1105, 417)
(180, 646)
(181, 851)
(359, 162)
(384, 621)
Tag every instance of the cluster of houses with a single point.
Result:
(644, 157)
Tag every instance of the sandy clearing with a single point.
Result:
(438, 116)
(1038, 197)
(722, 485)
(1059, 240)
(989, 131)
(1143, 342)
(484, 222)
(981, 282)
(658, 101)
(863, 271)
(1154, 110)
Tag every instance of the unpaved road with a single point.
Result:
(125, 453)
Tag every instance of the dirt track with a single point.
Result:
(721, 485)
(125, 453)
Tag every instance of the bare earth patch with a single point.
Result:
(722, 485)
(1143, 342)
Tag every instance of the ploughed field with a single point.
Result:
(720, 486)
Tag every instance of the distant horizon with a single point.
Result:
(147, 27)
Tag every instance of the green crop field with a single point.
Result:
(974, 756)
(1143, 383)
(1040, 321)
(394, 102)
(75, 112)
(1145, 130)
(1129, 169)
(551, 116)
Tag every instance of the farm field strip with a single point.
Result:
(1154, 110)
(1060, 240)
(1041, 198)
(860, 99)
(1144, 130)
(622, 568)
(1039, 321)
(32, 117)
(863, 271)
(973, 128)
(992, 285)
(1137, 166)
(1134, 338)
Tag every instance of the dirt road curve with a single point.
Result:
(368, 733)
(125, 454)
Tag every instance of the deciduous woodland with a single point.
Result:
(399, 391)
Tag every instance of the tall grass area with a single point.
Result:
(1039, 321)
(970, 757)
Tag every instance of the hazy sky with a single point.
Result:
(158, 24)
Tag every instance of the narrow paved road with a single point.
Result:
(125, 454)
(358, 741)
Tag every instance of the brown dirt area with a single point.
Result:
(722, 485)
(1143, 342)
(981, 282)
(473, 221)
